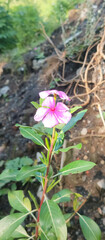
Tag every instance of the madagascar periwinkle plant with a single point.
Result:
(48, 218)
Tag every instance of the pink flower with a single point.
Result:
(61, 94)
(51, 114)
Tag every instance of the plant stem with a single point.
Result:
(46, 180)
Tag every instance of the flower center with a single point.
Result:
(53, 109)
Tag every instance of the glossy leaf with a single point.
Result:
(78, 146)
(90, 228)
(52, 185)
(39, 127)
(29, 133)
(29, 171)
(17, 201)
(18, 162)
(59, 141)
(35, 104)
(62, 196)
(20, 232)
(73, 121)
(51, 219)
(77, 167)
(8, 174)
(33, 199)
(74, 109)
(9, 223)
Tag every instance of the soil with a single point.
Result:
(15, 106)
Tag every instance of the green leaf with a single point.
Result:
(74, 109)
(28, 171)
(52, 220)
(52, 185)
(4, 191)
(77, 167)
(33, 199)
(62, 196)
(17, 201)
(76, 203)
(9, 223)
(39, 127)
(73, 121)
(59, 141)
(29, 133)
(8, 175)
(18, 162)
(35, 104)
(90, 228)
(78, 146)
(19, 232)
(67, 216)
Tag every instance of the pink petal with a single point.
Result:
(63, 117)
(40, 113)
(50, 120)
(45, 94)
(61, 107)
(61, 94)
(49, 102)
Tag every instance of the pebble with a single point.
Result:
(84, 131)
(88, 121)
(101, 184)
(103, 210)
(102, 162)
(101, 130)
(97, 215)
(40, 192)
(4, 90)
(85, 157)
(103, 221)
(84, 178)
(93, 149)
(38, 156)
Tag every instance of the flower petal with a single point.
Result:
(49, 102)
(63, 117)
(50, 120)
(61, 94)
(61, 107)
(45, 94)
(40, 113)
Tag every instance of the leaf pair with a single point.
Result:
(10, 225)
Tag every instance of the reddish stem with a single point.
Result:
(45, 185)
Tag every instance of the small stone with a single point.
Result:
(93, 149)
(7, 82)
(102, 162)
(84, 131)
(4, 90)
(97, 215)
(103, 211)
(88, 121)
(101, 130)
(101, 184)
(103, 221)
(40, 192)
(38, 156)
(84, 178)
(85, 157)
(38, 64)
(100, 211)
